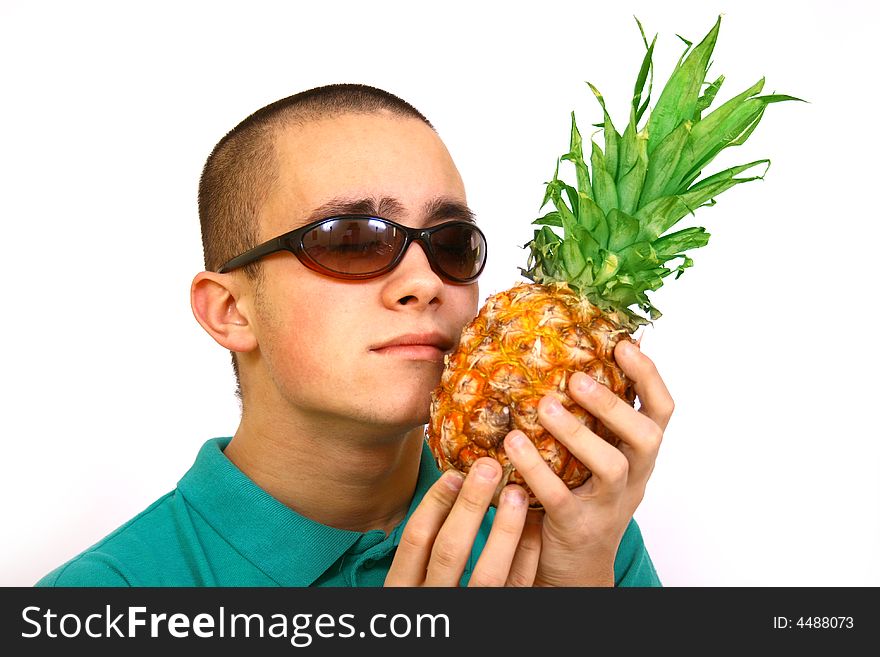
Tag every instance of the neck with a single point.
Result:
(329, 474)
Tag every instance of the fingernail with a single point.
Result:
(517, 440)
(486, 472)
(514, 497)
(583, 382)
(552, 406)
(627, 347)
(453, 479)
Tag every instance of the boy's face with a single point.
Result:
(321, 339)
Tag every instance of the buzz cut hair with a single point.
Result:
(242, 168)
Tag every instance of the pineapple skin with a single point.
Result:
(524, 343)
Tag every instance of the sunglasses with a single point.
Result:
(360, 247)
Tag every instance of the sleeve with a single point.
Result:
(90, 569)
(633, 566)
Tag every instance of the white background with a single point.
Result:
(769, 471)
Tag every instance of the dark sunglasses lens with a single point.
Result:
(353, 246)
(459, 251)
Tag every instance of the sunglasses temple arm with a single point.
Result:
(266, 248)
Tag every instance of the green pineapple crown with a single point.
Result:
(615, 245)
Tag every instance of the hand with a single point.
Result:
(437, 541)
(581, 528)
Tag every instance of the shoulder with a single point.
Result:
(123, 557)
(91, 568)
(633, 565)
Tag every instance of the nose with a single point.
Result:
(413, 283)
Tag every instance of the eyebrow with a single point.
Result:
(435, 210)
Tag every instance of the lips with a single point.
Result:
(416, 346)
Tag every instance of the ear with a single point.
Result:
(215, 300)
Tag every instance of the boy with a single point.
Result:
(320, 215)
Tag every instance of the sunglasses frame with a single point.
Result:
(292, 242)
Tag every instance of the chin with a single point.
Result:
(405, 422)
(401, 418)
(402, 402)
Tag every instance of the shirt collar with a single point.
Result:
(288, 547)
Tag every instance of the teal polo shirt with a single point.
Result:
(218, 528)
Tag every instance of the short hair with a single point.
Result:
(242, 168)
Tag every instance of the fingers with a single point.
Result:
(411, 559)
(553, 494)
(613, 468)
(439, 537)
(640, 433)
(654, 397)
(505, 548)
(528, 552)
(454, 540)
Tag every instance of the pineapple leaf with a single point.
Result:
(554, 191)
(704, 101)
(659, 216)
(650, 279)
(642, 31)
(673, 244)
(778, 98)
(549, 240)
(552, 218)
(647, 69)
(735, 129)
(638, 257)
(573, 261)
(712, 134)
(628, 149)
(608, 265)
(573, 199)
(775, 98)
(542, 256)
(629, 186)
(744, 135)
(584, 282)
(604, 190)
(662, 163)
(612, 137)
(594, 220)
(686, 263)
(547, 188)
(588, 244)
(678, 100)
(623, 296)
(575, 155)
(579, 252)
(624, 229)
(728, 174)
(638, 284)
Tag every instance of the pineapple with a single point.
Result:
(590, 283)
